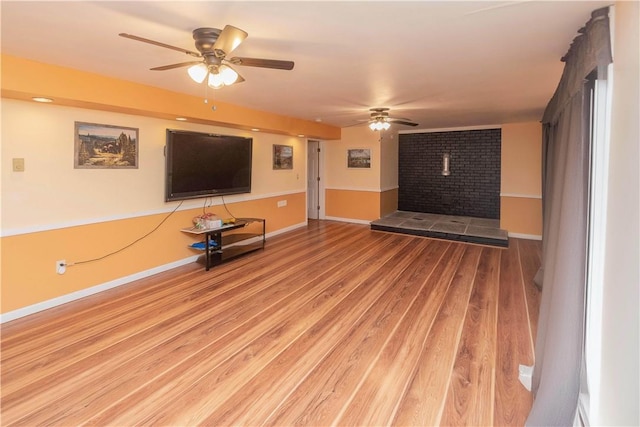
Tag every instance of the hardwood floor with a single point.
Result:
(333, 324)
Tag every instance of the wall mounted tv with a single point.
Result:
(205, 165)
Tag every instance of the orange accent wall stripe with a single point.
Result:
(388, 202)
(28, 260)
(521, 215)
(23, 79)
(360, 205)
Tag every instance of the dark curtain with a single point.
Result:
(566, 144)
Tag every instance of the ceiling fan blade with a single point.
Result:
(402, 122)
(229, 39)
(153, 42)
(263, 63)
(172, 66)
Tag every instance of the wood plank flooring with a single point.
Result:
(332, 324)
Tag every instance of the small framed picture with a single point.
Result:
(105, 147)
(282, 156)
(359, 158)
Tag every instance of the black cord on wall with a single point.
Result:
(130, 244)
(225, 208)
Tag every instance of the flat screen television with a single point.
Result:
(205, 165)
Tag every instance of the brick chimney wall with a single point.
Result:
(472, 188)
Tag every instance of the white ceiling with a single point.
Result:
(439, 63)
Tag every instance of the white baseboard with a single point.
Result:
(287, 229)
(63, 299)
(525, 236)
(351, 220)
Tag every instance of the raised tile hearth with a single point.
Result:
(458, 228)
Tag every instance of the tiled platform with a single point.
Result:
(458, 228)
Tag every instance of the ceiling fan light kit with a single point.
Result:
(221, 76)
(198, 72)
(217, 76)
(379, 119)
(379, 124)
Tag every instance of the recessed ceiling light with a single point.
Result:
(42, 99)
(300, 136)
(255, 129)
(318, 119)
(181, 119)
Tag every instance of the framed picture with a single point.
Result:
(105, 147)
(359, 158)
(282, 156)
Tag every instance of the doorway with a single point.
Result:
(314, 180)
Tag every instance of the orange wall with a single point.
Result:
(28, 260)
(360, 205)
(52, 211)
(521, 216)
(388, 202)
(521, 179)
(352, 204)
(521, 159)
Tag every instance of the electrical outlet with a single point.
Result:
(282, 203)
(61, 266)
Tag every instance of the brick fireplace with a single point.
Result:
(473, 186)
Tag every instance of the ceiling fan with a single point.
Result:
(379, 119)
(213, 46)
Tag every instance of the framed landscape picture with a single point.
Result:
(282, 156)
(359, 158)
(100, 146)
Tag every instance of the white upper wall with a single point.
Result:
(338, 175)
(620, 387)
(51, 194)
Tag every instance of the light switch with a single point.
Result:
(18, 164)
